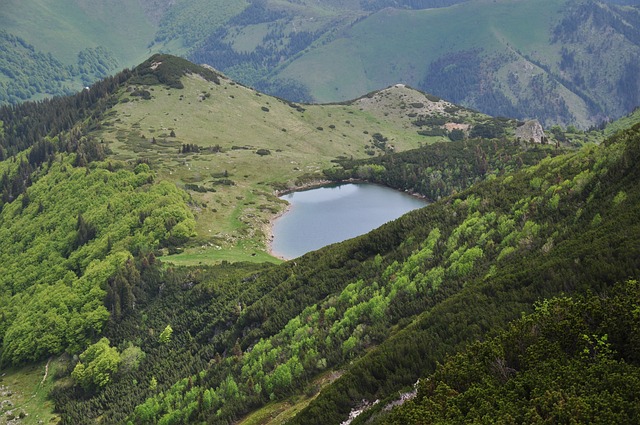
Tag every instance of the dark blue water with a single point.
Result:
(322, 216)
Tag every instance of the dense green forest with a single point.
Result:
(74, 223)
(31, 74)
(389, 305)
(575, 232)
(515, 228)
(68, 249)
(444, 168)
(573, 359)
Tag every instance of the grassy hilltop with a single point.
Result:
(231, 147)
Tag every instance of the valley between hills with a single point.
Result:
(228, 125)
(135, 268)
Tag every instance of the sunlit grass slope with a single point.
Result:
(248, 145)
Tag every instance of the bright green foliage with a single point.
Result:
(165, 335)
(462, 260)
(97, 365)
(71, 246)
(620, 198)
(369, 171)
(131, 357)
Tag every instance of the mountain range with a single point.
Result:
(565, 62)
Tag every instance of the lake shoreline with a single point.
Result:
(311, 185)
(325, 183)
(268, 231)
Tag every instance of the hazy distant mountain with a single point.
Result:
(561, 61)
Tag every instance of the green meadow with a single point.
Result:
(232, 186)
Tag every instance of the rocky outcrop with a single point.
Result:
(531, 131)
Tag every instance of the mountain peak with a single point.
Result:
(168, 69)
(403, 102)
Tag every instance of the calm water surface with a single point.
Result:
(322, 216)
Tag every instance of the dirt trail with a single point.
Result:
(46, 372)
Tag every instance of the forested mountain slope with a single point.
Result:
(560, 248)
(573, 358)
(386, 307)
(72, 223)
(97, 186)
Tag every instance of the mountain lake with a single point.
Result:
(325, 215)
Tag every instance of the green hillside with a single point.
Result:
(578, 368)
(123, 28)
(58, 47)
(505, 58)
(558, 61)
(135, 218)
(583, 253)
(192, 137)
(566, 62)
(383, 309)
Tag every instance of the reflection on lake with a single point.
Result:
(322, 216)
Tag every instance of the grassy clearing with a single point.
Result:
(209, 255)
(232, 186)
(250, 37)
(24, 394)
(276, 413)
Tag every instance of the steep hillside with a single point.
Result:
(65, 28)
(380, 311)
(31, 74)
(562, 247)
(58, 47)
(92, 196)
(556, 61)
(577, 357)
